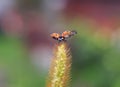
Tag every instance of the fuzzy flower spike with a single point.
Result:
(59, 74)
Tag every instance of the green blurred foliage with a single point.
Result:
(95, 60)
(18, 68)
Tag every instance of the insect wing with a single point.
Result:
(73, 32)
(55, 36)
(66, 34)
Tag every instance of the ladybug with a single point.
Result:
(64, 36)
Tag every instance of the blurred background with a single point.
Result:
(26, 47)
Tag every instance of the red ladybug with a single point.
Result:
(64, 36)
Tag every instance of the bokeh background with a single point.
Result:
(26, 48)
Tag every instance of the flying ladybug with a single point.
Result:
(64, 36)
